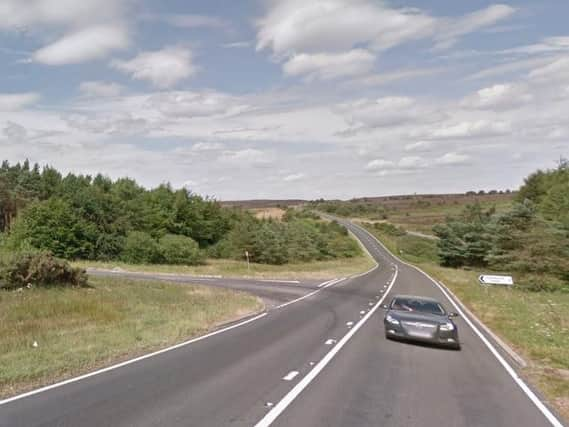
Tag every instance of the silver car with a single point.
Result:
(420, 319)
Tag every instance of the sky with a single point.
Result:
(288, 98)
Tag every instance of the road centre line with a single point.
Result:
(290, 376)
(131, 361)
(511, 371)
(279, 408)
(326, 285)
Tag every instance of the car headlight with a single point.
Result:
(391, 319)
(447, 327)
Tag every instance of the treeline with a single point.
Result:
(97, 218)
(532, 238)
(374, 211)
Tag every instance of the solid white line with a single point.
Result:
(290, 376)
(128, 362)
(324, 286)
(325, 283)
(280, 281)
(511, 371)
(272, 415)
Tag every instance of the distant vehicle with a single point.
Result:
(420, 319)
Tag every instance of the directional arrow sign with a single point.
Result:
(496, 280)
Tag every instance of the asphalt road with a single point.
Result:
(321, 360)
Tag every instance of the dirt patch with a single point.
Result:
(272, 213)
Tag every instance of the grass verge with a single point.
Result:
(230, 268)
(78, 330)
(534, 324)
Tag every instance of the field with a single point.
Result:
(78, 330)
(534, 324)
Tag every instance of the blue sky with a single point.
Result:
(288, 98)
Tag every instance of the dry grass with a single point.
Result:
(269, 213)
(230, 268)
(78, 330)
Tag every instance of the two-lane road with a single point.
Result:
(319, 357)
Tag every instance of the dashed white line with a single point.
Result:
(295, 282)
(330, 341)
(273, 414)
(290, 376)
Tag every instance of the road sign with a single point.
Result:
(496, 280)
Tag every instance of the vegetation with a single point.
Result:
(40, 269)
(79, 217)
(76, 330)
(531, 239)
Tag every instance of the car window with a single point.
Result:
(416, 305)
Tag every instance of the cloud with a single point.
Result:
(472, 129)
(17, 101)
(196, 104)
(313, 32)
(294, 177)
(163, 68)
(249, 157)
(499, 97)
(207, 146)
(84, 45)
(237, 45)
(471, 23)
(395, 76)
(100, 89)
(327, 66)
(453, 159)
(554, 72)
(15, 132)
(111, 124)
(379, 164)
(420, 146)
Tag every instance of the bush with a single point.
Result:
(179, 250)
(39, 269)
(141, 248)
(541, 283)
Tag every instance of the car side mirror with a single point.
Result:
(453, 315)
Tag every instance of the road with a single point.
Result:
(318, 358)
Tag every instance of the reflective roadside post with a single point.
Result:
(248, 266)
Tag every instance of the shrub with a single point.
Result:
(179, 250)
(141, 248)
(39, 269)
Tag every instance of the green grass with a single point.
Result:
(534, 324)
(78, 330)
(231, 268)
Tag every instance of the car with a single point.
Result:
(421, 319)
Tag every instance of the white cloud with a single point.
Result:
(499, 96)
(420, 146)
(190, 21)
(326, 66)
(453, 159)
(18, 14)
(314, 32)
(100, 89)
(15, 132)
(17, 101)
(196, 104)
(379, 164)
(109, 124)
(207, 146)
(471, 23)
(237, 45)
(84, 45)
(554, 72)
(249, 157)
(472, 129)
(163, 68)
(294, 177)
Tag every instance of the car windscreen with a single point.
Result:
(415, 305)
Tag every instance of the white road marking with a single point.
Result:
(349, 324)
(273, 414)
(326, 285)
(128, 362)
(511, 371)
(290, 376)
(362, 312)
(330, 341)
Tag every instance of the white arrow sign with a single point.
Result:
(496, 280)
